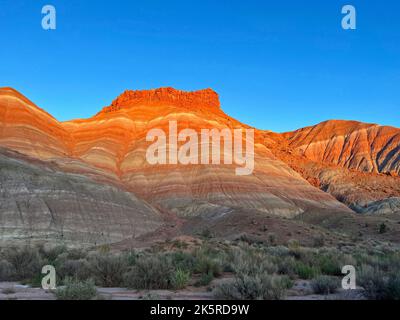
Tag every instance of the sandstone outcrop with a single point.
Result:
(90, 177)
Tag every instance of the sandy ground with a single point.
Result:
(16, 291)
(300, 291)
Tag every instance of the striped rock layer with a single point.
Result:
(109, 150)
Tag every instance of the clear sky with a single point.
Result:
(277, 65)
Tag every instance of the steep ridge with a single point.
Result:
(29, 129)
(350, 144)
(359, 190)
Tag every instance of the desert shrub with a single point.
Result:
(304, 255)
(383, 228)
(26, 262)
(76, 254)
(373, 281)
(278, 251)
(207, 265)
(182, 260)
(150, 272)
(259, 287)
(305, 271)
(7, 271)
(76, 290)
(78, 269)
(50, 254)
(108, 270)
(293, 244)
(386, 262)
(287, 266)
(286, 282)
(250, 261)
(180, 279)
(325, 284)
(206, 234)
(393, 287)
(131, 257)
(378, 285)
(329, 264)
(35, 281)
(204, 280)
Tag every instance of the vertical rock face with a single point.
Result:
(89, 178)
(350, 144)
(205, 100)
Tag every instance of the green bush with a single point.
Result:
(78, 269)
(278, 251)
(305, 271)
(108, 270)
(373, 281)
(51, 254)
(378, 285)
(259, 287)
(182, 260)
(393, 287)
(250, 261)
(287, 282)
(325, 284)
(76, 290)
(26, 262)
(130, 257)
(76, 254)
(7, 271)
(207, 265)
(204, 280)
(329, 264)
(150, 272)
(287, 266)
(382, 228)
(180, 279)
(303, 255)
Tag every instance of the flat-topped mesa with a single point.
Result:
(205, 100)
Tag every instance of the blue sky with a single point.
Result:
(277, 65)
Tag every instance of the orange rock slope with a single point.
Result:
(110, 147)
(350, 144)
(308, 170)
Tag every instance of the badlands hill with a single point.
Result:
(354, 145)
(88, 180)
